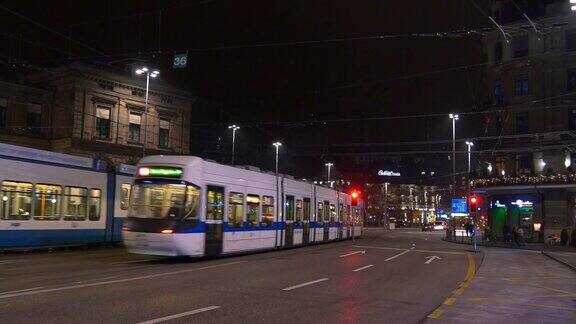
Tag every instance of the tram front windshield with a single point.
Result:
(165, 201)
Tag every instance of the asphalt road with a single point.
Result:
(384, 277)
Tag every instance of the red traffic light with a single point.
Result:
(355, 194)
(473, 200)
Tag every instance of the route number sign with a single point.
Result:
(180, 60)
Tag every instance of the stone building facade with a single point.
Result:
(91, 111)
(527, 174)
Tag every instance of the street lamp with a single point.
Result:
(234, 128)
(329, 165)
(490, 168)
(573, 7)
(454, 118)
(277, 145)
(469, 144)
(149, 74)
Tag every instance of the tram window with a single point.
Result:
(332, 213)
(298, 219)
(253, 212)
(47, 201)
(215, 204)
(235, 209)
(94, 204)
(267, 210)
(320, 212)
(340, 213)
(16, 200)
(326, 211)
(192, 208)
(75, 203)
(306, 209)
(289, 208)
(125, 196)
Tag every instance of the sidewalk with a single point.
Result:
(566, 258)
(513, 286)
(525, 246)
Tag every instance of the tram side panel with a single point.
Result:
(46, 205)
(250, 220)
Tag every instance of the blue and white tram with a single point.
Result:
(187, 206)
(52, 199)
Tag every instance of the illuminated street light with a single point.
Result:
(149, 75)
(277, 145)
(454, 118)
(234, 128)
(329, 165)
(490, 168)
(469, 144)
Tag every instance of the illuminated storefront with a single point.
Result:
(507, 213)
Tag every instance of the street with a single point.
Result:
(401, 276)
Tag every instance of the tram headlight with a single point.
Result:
(167, 231)
(125, 228)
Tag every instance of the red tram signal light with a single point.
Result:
(473, 200)
(355, 194)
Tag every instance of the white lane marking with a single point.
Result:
(352, 253)
(105, 278)
(364, 267)
(101, 283)
(397, 255)
(432, 258)
(134, 261)
(11, 261)
(412, 248)
(21, 290)
(304, 284)
(171, 317)
(401, 249)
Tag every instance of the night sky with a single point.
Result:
(287, 91)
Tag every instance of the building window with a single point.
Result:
(521, 85)
(3, 109)
(522, 122)
(134, 128)
(570, 39)
(164, 133)
(524, 163)
(103, 120)
(498, 52)
(235, 209)
(34, 118)
(572, 119)
(520, 46)
(571, 80)
(497, 92)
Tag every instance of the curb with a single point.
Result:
(573, 268)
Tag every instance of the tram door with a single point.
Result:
(306, 222)
(289, 212)
(214, 220)
(340, 221)
(326, 220)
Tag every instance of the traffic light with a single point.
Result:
(474, 202)
(355, 195)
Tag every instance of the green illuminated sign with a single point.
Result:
(163, 172)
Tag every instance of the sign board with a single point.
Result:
(180, 60)
(459, 205)
(386, 173)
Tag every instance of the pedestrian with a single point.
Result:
(520, 236)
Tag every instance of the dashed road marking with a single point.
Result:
(175, 316)
(304, 284)
(397, 255)
(363, 268)
(352, 253)
(450, 301)
(436, 313)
